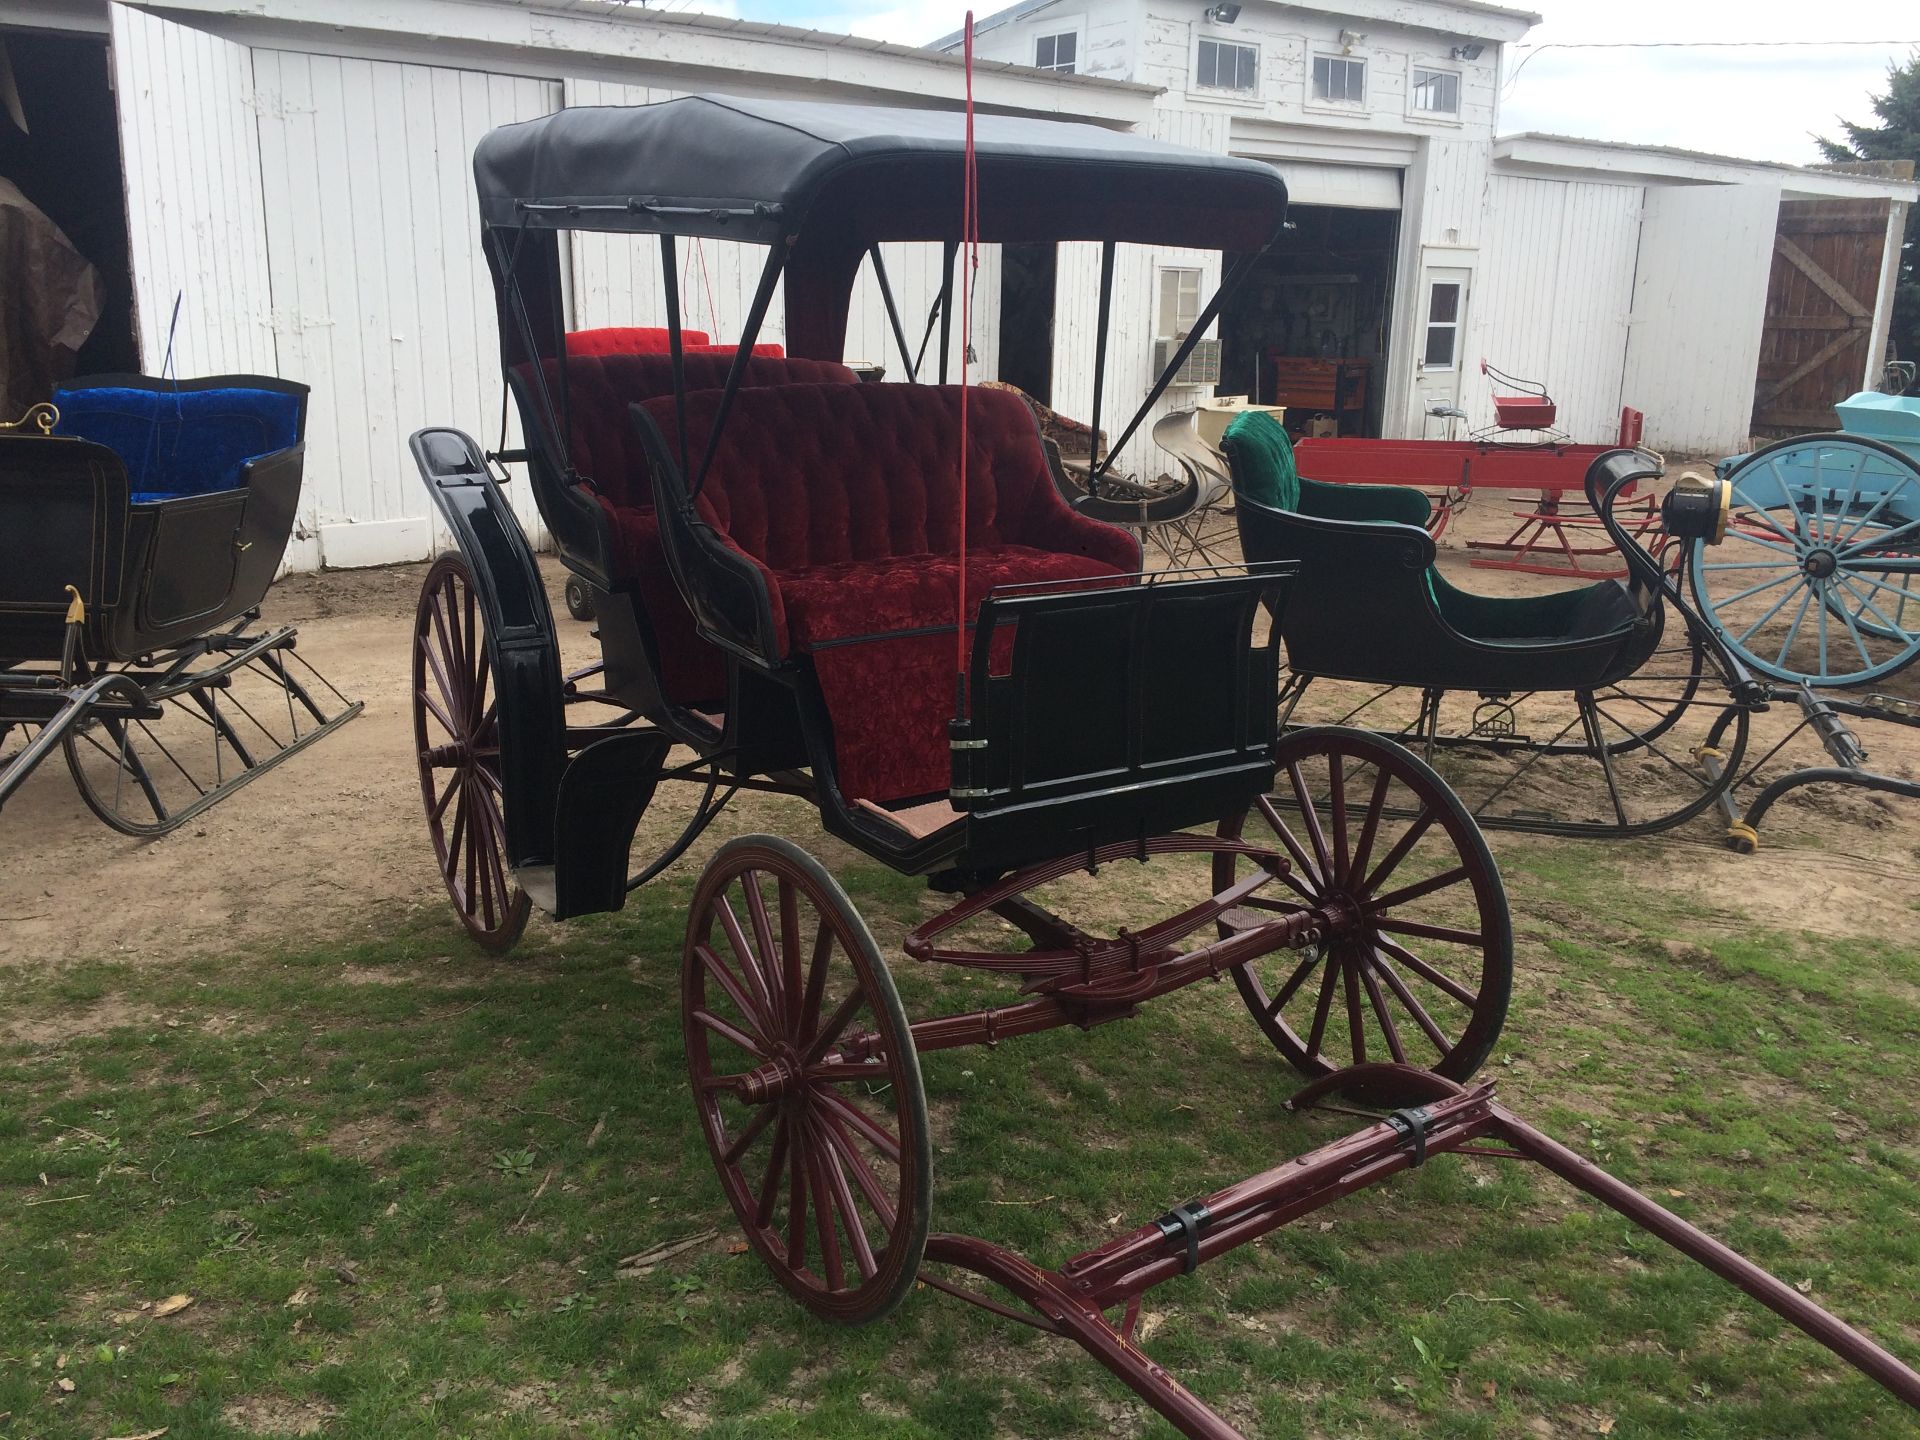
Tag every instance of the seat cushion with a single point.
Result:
(693, 673)
(181, 442)
(890, 699)
(1591, 612)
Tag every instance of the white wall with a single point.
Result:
(192, 160)
(1130, 373)
(1555, 294)
(381, 297)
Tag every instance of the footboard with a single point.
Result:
(1124, 711)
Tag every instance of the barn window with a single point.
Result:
(1057, 52)
(1179, 303)
(1436, 92)
(1339, 79)
(1443, 325)
(1226, 66)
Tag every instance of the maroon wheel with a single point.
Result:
(806, 1080)
(456, 731)
(1415, 960)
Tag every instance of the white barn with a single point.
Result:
(295, 175)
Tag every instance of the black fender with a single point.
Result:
(520, 631)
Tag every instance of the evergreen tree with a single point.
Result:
(1896, 137)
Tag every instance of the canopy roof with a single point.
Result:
(761, 170)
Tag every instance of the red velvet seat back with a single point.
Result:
(606, 448)
(813, 475)
(629, 340)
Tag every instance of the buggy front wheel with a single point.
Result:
(1415, 965)
(456, 731)
(806, 1080)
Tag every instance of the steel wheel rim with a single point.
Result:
(1802, 587)
(1398, 982)
(456, 731)
(824, 1158)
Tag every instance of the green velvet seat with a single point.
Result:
(1371, 605)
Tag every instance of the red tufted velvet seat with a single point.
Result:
(847, 500)
(650, 340)
(606, 452)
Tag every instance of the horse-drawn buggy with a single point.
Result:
(141, 522)
(881, 598)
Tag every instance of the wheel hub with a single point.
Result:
(780, 1076)
(1820, 564)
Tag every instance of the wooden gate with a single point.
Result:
(1827, 259)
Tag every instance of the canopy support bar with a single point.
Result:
(516, 297)
(1095, 467)
(670, 275)
(762, 297)
(946, 307)
(1236, 276)
(893, 314)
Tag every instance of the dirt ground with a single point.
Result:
(332, 844)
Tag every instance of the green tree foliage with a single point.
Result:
(1896, 137)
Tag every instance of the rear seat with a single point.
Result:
(847, 500)
(607, 454)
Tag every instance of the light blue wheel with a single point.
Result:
(1818, 579)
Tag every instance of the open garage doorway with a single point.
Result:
(66, 165)
(1309, 328)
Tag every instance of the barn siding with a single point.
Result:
(382, 299)
(1555, 295)
(191, 155)
(1699, 302)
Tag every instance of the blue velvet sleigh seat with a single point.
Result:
(167, 504)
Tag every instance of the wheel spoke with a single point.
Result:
(743, 952)
(1401, 849)
(1328, 984)
(1413, 1007)
(1425, 887)
(1356, 1022)
(790, 951)
(862, 1124)
(765, 950)
(836, 1022)
(1337, 813)
(824, 1226)
(1430, 974)
(727, 1031)
(797, 1206)
(770, 1182)
(736, 992)
(763, 1116)
(1311, 819)
(1379, 1004)
(843, 1199)
(1369, 827)
(863, 1176)
(1425, 931)
(1294, 982)
(1286, 838)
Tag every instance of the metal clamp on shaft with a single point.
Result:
(1412, 1124)
(1186, 1221)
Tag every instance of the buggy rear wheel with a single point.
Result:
(456, 730)
(806, 1080)
(1416, 965)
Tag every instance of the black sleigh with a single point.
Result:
(141, 523)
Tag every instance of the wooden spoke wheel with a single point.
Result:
(806, 1080)
(1415, 963)
(456, 731)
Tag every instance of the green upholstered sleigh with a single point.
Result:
(1371, 605)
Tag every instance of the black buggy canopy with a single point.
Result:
(763, 170)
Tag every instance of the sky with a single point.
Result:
(1760, 101)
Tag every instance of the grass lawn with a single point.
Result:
(398, 1182)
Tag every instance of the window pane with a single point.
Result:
(1322, 77)
(1245, 76)
(1043, 52)
(1209, 62)
(1066, 44)
(1440, 340)
(1444, 303)
(1449, 95)
(1436, 92)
